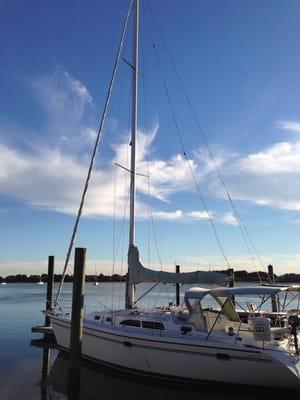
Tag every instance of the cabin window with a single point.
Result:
(153, 325)
(109, 319)
(185, 329)
(131, 322)
(97, 317)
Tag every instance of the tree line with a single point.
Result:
(23, 278)
(239, 276)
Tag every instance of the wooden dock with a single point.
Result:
(48, 330)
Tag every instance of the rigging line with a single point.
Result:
(102, 304)
(236, 213)
(153, 226)
(122, 224)
(168, 294)
(115, 184)
(243, 230)
(99, 135)
(189, 162)
(121, 269)
(150, 208)
(243, 233)
(158, 296)
(115, 205)
(146, 125)
(147, 291)
(121, 235)
(114, 237)
(125, 204)
(120, 241)
(121, 91)
(148, 218)
(151, 219)
(126, 200)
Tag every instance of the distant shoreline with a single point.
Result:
(22, 278)
(239, 276)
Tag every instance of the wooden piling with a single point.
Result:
(46, 329)
(272, 280)
(45, 372)
(177, 287)
(77, 311)
(231, 277)
(49, 288)
(231, 282)
(271, 274)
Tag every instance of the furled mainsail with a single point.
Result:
(138, 273)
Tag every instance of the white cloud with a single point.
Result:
(165, 176)
(199, 215)
(269, 177)
(279, 158)
(293, 126)
(53, 173)
(178, 214)
(229, 218)
(52, 176)
(82, 93)
(66, 103)
(53, 179)
(205, 163)
(90, 134)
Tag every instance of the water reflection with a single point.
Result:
(93, 382)
(46, 344)
(34, 373)
(45, 372)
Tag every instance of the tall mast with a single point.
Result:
(129, 300)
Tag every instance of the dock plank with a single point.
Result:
(42, 329)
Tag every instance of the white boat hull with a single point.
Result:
(153, 355)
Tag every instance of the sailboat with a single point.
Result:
(192, 342)
(96, 283)
(40, 282)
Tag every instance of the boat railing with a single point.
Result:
(63, 306)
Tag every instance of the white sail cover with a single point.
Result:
(138, 273)
(199, 293)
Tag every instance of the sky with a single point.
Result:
(239, 64)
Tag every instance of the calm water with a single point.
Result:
(31, 372)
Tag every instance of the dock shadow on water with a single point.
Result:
(93, 382)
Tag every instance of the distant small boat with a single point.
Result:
(3, 283)
(96, 283)
(40, 282)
